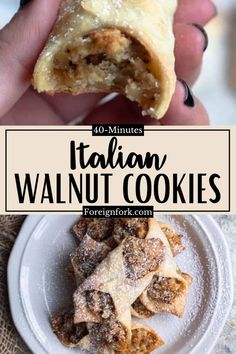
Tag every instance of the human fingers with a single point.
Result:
(195, 11)
(191, 42)
(71, 107)
(31, 109)
(185, 108)
(20, 44)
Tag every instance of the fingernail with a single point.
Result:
(189, 98)
(203, 31)
(24, 2)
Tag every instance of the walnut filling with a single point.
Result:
(111, 231)
(108, 60)
(144, 340)
(97, 229)
(174, 239)
(142, 310)
(65, 329)
(137, 227)
(100, 303)
(110, 333)
(88, 255)
(164, 290)
(80, 228)
(142, 256)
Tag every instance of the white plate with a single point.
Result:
(39, 285)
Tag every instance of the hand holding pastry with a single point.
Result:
(23, 39)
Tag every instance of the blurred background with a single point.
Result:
(217, 85)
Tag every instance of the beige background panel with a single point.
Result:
(188, 151)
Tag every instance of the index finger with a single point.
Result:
(195, 11)
(20, 44)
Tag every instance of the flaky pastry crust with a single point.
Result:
(124, 46)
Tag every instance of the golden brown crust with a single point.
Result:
(167, 294)
(144, 340)
(140, 311)
(174, 239)
(165, 282)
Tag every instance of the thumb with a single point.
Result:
(21, 41)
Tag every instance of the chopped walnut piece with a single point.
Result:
(137, 227)
(87, 256)
(174, 239)
(142, 256)
(80, 228)
(100, 303)
(97, 228)
(110, 332)
(143, 340)
(111, 230)
(100, 229)
(65, 329)
(164, 289)
(142, 310)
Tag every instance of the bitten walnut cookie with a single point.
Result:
(123, 46)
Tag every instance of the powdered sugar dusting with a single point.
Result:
(46, 277)
(198, 261)
(68, 7)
